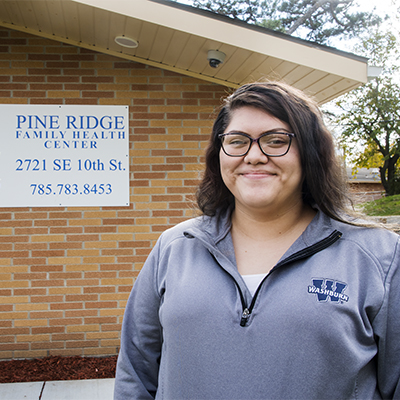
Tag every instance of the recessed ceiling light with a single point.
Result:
(125, 41)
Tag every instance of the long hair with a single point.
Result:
(324, 179)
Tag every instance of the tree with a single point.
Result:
(369, 116)
(315, 20)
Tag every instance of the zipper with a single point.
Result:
(245, 316)
(307, 252)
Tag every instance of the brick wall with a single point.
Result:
(65, 273)
(362, 192)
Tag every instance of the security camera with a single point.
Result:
(215, 57)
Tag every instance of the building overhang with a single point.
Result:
(177, 38)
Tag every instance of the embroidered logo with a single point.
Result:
(327, 289)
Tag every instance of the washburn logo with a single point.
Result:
(327, 289)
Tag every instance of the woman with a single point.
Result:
(273, 293)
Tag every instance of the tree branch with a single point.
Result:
(300, 21)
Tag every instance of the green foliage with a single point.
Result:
(315, 20)
(325, 19)
(382, 207)
(251, 11)
(369, 116)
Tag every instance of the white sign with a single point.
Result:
(67, 155)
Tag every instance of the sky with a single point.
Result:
(381, 6)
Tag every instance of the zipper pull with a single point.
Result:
(245, 317)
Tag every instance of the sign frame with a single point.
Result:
(64, 155)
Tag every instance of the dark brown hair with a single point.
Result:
(324, 182)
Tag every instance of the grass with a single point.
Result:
(382, 207)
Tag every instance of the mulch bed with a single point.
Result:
(57, 368)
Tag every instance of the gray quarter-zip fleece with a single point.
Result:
(323, 324)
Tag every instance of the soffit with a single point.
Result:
(177, 38)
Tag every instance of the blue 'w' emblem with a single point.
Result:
(328, 289)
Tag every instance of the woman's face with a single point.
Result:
(260, 183)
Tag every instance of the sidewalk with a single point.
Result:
(85, 389)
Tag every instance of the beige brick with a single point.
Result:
(33, 338)
(13, 299)
(115, 102)
(151, 206)
(14, 100)
(101, 245)
(196, 122)
(149, 190)
(169, 183)
(166, 138)
(131, 79)
(47, 238)
(133, 228)
(107, 312)
(15, 71)
(116, 236)
(114, 87)
(63, 94)
(6, 261)
(165, 109)
(83, 328)
(13, 315)
(184, 145)
(63, 260)
(32, 307)
(165, 123)
(182, 175)
(139, 153)
(101, 351)
(150, 236)
(110, 342)
(166, 95)
(139, 199)
(150, 146)
(194, 152)
(150, 160)
(30, 354)
(15, 284)
(65, 290)
(5, 277)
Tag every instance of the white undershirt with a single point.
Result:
(253, 281)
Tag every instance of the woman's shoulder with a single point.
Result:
(182, 229)
(207, 227)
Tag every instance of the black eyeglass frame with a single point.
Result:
(252, 140)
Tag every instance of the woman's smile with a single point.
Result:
(257, 174)
(256, 180)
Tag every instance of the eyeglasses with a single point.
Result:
(272, 144)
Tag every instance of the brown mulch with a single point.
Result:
(57, 368)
